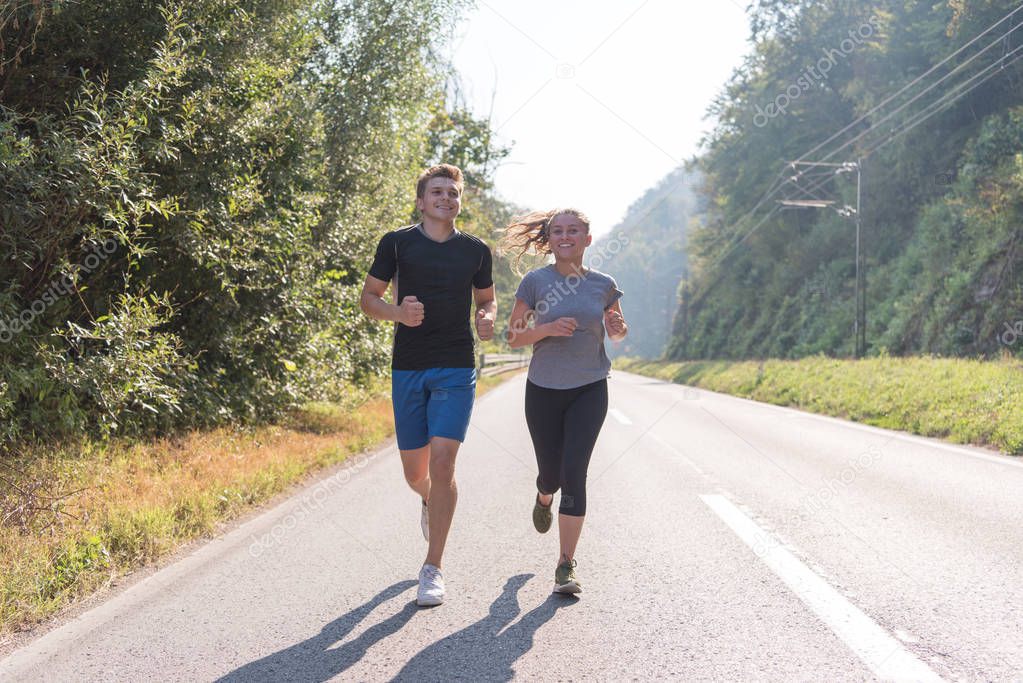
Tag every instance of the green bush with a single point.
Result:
(191, 201)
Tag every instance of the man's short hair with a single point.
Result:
(439, 171)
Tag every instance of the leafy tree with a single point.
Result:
(192, 192)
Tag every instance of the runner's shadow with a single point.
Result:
(482, 652)
(314, 659)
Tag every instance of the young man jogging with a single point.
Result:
(437, 272)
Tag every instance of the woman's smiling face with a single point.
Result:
(568, 236)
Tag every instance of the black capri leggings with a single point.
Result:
(564, 424)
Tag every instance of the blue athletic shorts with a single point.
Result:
(434, 402)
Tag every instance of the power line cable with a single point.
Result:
(771, 190)
(1004, 36)
(776, 186)
(945, 102)
(910, 84)
(916, 97)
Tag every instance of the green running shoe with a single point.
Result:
(542, 515)
(565, 580)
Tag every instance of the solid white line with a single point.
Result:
(932, 442)
(1004, 459)
(885, 656)
(620, 416)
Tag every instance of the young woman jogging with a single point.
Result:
(570, 307)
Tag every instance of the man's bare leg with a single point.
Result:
(416, 464)
(443, 494)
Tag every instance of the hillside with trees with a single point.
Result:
(646, 254)
(928, 99)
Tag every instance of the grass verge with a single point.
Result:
(965, 401)
(76, 517)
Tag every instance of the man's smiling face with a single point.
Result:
(441, 200)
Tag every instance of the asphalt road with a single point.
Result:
(725, 540)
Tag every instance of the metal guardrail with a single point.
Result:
(496, 363)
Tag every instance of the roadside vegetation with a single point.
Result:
(192, 194)
(78, 516)
(966, 401)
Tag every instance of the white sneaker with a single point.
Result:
(431, 586)
(424, 522)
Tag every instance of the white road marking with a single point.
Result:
(620, 416)
(882, 653)
(1010, 460)
(906, 636)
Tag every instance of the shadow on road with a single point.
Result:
(478, 652)
(482, 651)
(310, 660)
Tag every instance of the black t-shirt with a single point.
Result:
(441, 276)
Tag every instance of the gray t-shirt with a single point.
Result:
(569, 362)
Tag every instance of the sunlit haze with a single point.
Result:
(599, 101)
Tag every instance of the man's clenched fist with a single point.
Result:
(484, 326)
(411, 312)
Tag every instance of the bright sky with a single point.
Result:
(601, 100)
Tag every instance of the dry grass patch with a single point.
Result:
(77, 516)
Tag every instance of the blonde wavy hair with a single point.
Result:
(531, 233)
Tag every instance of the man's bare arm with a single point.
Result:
(486, 311)
(409, 312)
